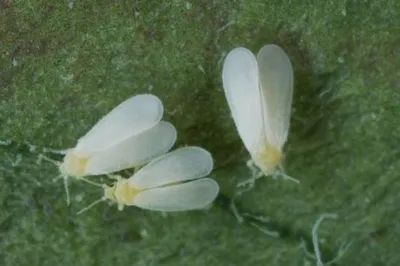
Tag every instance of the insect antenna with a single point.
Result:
(65, 181)
(92, 204)
(63, 175)
(91, 182)
(54, 151)
(44, 157)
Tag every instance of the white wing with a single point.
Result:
(181, 197)
(241, 85)
(276, 82)
(129, 118)
(179, 165)
(135, 151)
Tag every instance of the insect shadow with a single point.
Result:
(206, 114)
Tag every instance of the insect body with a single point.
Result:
(259, 92)
(172, 182)
(129, 136)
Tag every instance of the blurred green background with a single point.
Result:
(64, 64)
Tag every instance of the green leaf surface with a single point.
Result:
(65, 64)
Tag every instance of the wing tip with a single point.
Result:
(214, 183)
(212, 190)
(235, 52)
(209, 191)
(150, 98)
(171, 127)
(207, 157)
(276, 49)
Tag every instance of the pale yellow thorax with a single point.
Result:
(267, 157)
(121, 192)
(73, 165)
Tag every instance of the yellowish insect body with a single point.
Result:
(73, 165)
(267, 157)
(121, 192)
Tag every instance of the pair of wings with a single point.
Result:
(131, 135)
(259, 92)
(172, 181)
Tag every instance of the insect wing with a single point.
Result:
(276, 82)
(131, 117)
(241, 86)
(135, 151)
(181, 197)
(182, 164)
